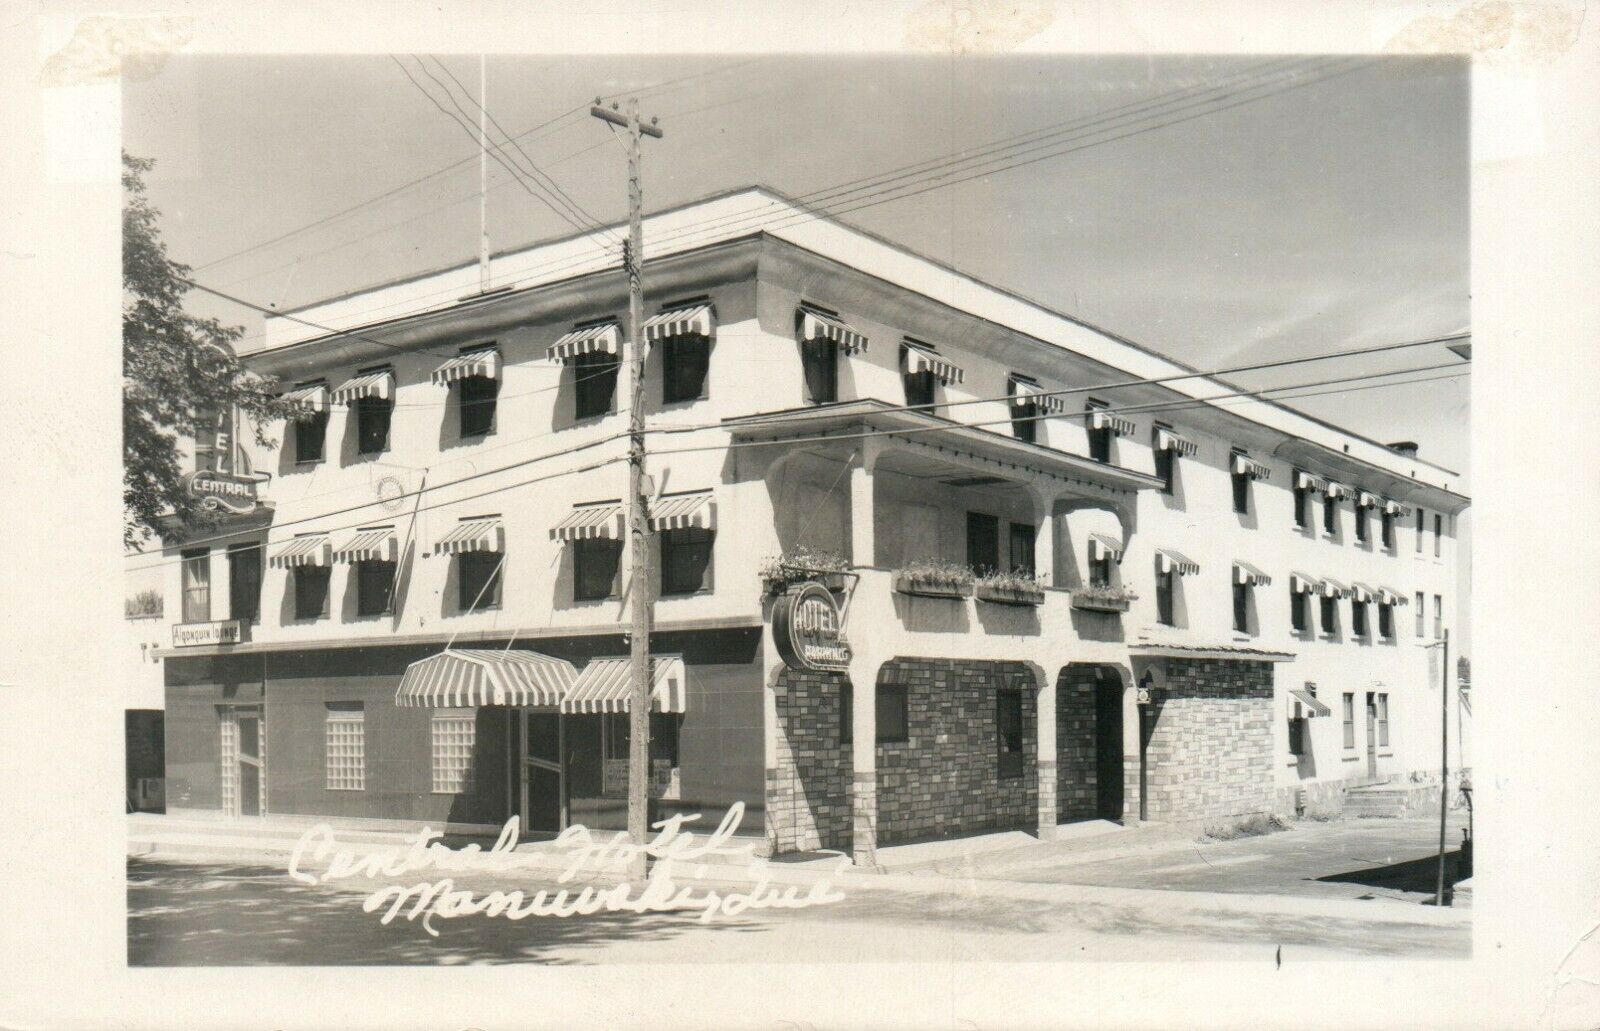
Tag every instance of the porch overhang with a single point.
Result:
(1203, 651)
(816, 423)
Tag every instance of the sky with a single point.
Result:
(1301, 205)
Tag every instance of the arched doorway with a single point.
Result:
(1108, 743)
(1090, 761)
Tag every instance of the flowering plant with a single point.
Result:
(797, 565)
(936, 574)
(1016, 580)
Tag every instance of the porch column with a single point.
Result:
(1132, 752)
(1045, 760)
(864, 762)
(1044, 539)
(863, 540)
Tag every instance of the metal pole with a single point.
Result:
(1444, 763)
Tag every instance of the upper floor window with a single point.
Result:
(1358, 618)
(983, 542)
(475, 373)
(594, 378)
(923, 372)
(1244, 471)
(309, 427)
(197, 585)
(1349, 719)
(1421, 529)
(1100, 430)
(596, 568)
(1362, 512)
(1388, 528)
(374, 587)
(1386, 620)
(479, 576)
(1330, 516)
(1422, 614)
(1166, 461)
(683, 331)
(1022, 543)
(1104, 553)
(1438, 533)
(370, 395)
(1299, 619)
(307, 557)
(1241, 608)
(823, 337)
(244, 582)
(1383, 719)
(1330, 615)
(685, 525)
(1438, 616)
(1245, 578)
(1166, 588)
(1304, 491)
(1024, 394)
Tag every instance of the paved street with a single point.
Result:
(183, 913)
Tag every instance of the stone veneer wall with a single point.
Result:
(1077, 777)
(1210, 753)
(943, 780)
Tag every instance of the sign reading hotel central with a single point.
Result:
(219, 490)
(808, 629)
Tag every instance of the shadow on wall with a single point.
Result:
(932, 615)
(1098, 626)
(1014, 620)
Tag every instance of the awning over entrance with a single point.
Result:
(815, 325)
(1170, 561)
(589, 521)
(1309, 700)
(377, 544)
(486, 534)
(920, 359)
(683, 511)
(483, 362)
(1245, 573)
(378, 384)
(308, 549)
(602, 339)
(1102, 546)
(691, 321)
(468, 677)
(603, 686)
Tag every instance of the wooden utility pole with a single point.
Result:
(1444, 761)
(640, 600)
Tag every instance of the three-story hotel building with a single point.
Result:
(425, 618)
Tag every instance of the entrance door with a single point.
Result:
(244, 759)
(1147, 726)
(1372, 735)
(544, 800)
(1108, 745)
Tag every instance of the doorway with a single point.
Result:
(1372, 735)
(1108, 744)
(244, 760)
(1147, 728)
(544, 780)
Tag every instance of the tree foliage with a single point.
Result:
(180, 375)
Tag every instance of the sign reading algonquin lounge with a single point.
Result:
(808, 630)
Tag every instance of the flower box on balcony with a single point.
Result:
(1009, 589)
(1102, 598)
(934, 581)
(804, 565)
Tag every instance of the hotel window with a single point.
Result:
(455, 732)
(919, 378)
(477, 397)
(983, 542)
(1241, 483)
(1298, 616)
(311, 591)
(686, 560)
(1349, 720)
(1302, 503)
(1438, 616)
(310, 437)
(478, 575)
(1358, 618)
(1024, 409)
(1438, 533)
(596, 568)
(1362, 512)
(1008, 727)
(1099, 437)
(1099, 567)
(374, 587)
(1022, 542)
(820, 360)
(1297, 736)
(1164, 597)
(1388, 530)
(1420, 530)
(1383, 720)
(892, 704)
(685, 359)
(244, 582)
(1422, 614)
(1386, 621)
(1330, 615)
(1241, 608)
(346, 755)
(197, 585)
(1330, 516)
(1166, 458)
(373, 415)
(594, 379)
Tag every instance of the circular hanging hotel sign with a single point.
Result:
(808, 629)
(220, 491)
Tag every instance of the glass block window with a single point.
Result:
(454, 733)
(346, 746)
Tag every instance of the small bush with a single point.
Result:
(1321, 812)
(1250, 826)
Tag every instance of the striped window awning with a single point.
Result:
(1361, 593)
(1395, 508)
(603, 338)
(1367, 499)
(816, 325)
(1310, 481)
(603, 686)
(920, 359)
(311, 400)
(1330, 588)
(1166, 440)
(585, 522)
(309, 549)
(1169, 561)
(484, 534)
(1024, 394)
(484, 362)
(1244, 465)
(1336, 490)
(1390, 596)
(1309, 700)
(1104, 546)
(696, 320)
(1101, 419)
(1245, 573)
(684, 511)
(470, 677)
(375, 544)
(1300, 583)
(379, 384)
